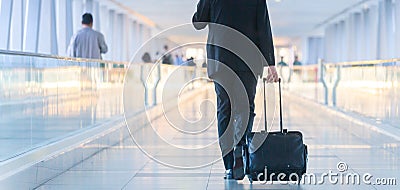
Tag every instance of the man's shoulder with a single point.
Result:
(90, 31)
(81, 32)
(97, 33)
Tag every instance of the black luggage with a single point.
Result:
(276, 156)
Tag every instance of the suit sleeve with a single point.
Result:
(265, 38)
(202, 16)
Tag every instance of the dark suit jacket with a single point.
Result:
(250, 18)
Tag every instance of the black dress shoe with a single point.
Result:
(228, 174)
(238, 166)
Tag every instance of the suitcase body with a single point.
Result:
(276, 156)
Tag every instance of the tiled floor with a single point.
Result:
(330, 139)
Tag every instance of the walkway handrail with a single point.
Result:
(348, 63)
(367, 62)
(27, 54)
(334, 70)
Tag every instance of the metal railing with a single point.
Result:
(370, 88)
(71, 59)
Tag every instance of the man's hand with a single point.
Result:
(272, 75)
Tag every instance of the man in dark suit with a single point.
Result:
(239, 45)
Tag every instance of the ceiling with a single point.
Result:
(290, 18)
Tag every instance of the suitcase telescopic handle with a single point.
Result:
(265, 106)
(280, 106)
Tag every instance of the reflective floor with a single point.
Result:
(330, 139)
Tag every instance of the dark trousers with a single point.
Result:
(226, 107)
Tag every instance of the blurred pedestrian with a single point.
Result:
(178, 60)
(146, 58)
(167, 57)
(282, 63)
(296, 61)
(87, 43)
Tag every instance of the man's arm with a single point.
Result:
(202, 17)
(71, 47)
(102, 44)
(266, 43)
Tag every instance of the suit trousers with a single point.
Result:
(229, 113)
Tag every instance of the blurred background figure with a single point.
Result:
(87, 43)
(146, 58)
(178, 59)
(282, 63)
(296, 61)
(157, 56)
(204, 65)
(284, 70)
(167, 57)
(190, 62)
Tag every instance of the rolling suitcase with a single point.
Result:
(276, 156)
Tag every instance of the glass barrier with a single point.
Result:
(45, 99)
(369, 88)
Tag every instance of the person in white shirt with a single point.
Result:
(87, 43)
